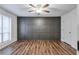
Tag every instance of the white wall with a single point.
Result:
(78, 21)
(13, 28)
(78, 25)
(69, 24)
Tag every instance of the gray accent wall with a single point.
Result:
(39, 28)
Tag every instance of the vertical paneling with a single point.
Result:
(39, 27)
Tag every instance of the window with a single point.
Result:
(5, 28)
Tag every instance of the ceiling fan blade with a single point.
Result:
(31, 11)
(55, 9)
(32, 5)
(45, 5)
(46, 11)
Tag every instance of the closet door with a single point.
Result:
(21, 27)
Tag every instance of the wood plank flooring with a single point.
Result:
(39, 47)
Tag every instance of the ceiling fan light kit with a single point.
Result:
(38, 8)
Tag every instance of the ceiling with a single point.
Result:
(55, 9)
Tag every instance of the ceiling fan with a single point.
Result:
(38, 8)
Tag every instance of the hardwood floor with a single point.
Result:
(39, 47)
